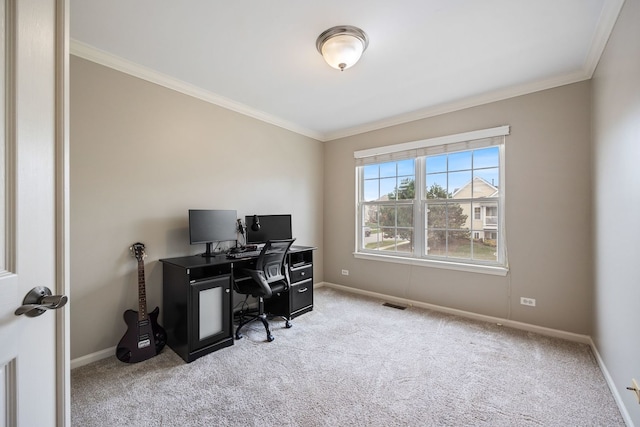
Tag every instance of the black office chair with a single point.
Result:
(269, 277)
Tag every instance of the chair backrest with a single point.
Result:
(272, 259)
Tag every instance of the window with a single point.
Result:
(438, 201)
(388, 206)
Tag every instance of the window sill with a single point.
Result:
(473, 268)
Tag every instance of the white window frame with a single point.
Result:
(418, 150)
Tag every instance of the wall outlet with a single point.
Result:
(345, 272)
(635, 389)
(528, 301)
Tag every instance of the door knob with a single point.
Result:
(38, 300)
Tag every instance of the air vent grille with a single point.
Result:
(399, 307)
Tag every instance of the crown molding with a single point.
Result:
(462, 104)
(606, 22)
(90, 53)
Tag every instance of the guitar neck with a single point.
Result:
(142, 293)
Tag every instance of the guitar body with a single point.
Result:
(144, 337)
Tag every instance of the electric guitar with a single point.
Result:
(144, 338)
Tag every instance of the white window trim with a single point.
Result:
(446, 265)
(498, 270)
(430, 142)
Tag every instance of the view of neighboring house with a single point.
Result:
(483, 222)
(478, 211)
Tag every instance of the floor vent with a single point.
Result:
(399, 307)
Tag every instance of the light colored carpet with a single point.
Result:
(354, 362)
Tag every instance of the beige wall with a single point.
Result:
(548, 199)
(616, 166)
(141, 156)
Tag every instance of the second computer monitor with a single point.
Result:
(272, 227)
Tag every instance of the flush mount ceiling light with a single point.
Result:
(342, 46)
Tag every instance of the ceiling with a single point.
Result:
(425, 57)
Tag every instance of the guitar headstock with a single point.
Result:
(137, 249)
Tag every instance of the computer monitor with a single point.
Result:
(272, 227)
(210, 226)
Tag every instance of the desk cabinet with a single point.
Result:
(299, 298)
(197, 305)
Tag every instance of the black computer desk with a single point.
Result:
(197, 296)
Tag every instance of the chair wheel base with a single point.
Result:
(270, 338)
(288, 324)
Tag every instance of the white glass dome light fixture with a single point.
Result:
(342, 46)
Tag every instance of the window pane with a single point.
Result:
(387, 217)
(491, 216)
(392, 240)
(406, 167)
(436, 243)
(404, 241)
(437, 164)
(486, 157)
(459, 244)
(370, 215)
(436, 216)
(436, 186)
(373, 241)
(387, 188)
(458, 215)
(405, 216)
(370, 233)
(371, 190)
(406, 189)
(460, 161)
(387, 169)
(371, 171)
(488, 183)
(485, 248)
(459, 181)
(388, 235)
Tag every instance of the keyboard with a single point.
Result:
(246, 254)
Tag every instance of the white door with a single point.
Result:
(33, 210)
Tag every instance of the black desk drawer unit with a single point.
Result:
(303, 272)
(299, 298)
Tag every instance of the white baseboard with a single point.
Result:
(93, 357)
(612, 386)
(584, 339)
